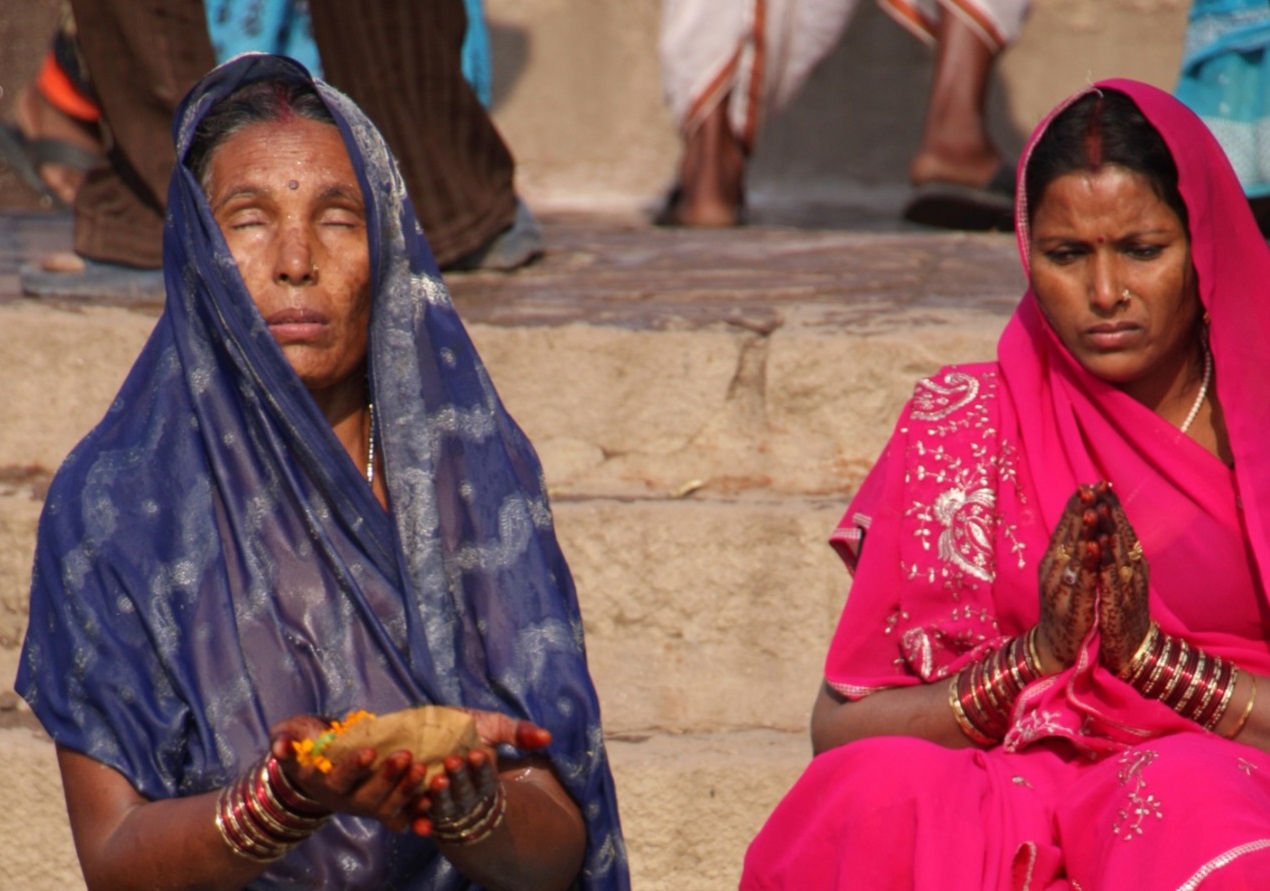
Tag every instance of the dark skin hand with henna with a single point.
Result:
(126, 841)
(1093, 568)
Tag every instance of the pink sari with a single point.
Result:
(1094, 786)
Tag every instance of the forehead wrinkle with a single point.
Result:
(245, 191)
(339, 191)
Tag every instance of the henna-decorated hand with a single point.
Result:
(390, 794)
(468, 782)
(395, 794)
(1068, 582)
(1124, 615)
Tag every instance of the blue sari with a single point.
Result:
(1225, 79)
(210, 561)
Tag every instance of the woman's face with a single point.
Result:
(1111, 267)
(287, 199)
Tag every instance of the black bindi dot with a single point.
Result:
(293, 185)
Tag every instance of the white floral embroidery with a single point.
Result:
(967, 518)
(1032, 727)
(937, 400)
(959, 526)
(1139, 807)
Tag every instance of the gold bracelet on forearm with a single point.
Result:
(1243, 718)
(982, 695)
(260, 822)
(1196, 685)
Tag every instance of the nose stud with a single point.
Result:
(1125, 294)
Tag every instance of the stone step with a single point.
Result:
(699, 614)
(39, 853)
(689, 803)
(705, 615)
(703, 404)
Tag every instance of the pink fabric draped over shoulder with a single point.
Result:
(1094, 786)
(959, 510)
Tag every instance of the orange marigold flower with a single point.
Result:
(308, 752)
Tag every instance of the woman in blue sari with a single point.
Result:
(307, 499)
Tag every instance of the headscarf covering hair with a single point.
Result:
(210, 561)
(958, 512)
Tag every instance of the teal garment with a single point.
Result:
(267, 26)
(476, 56)
(284, 27)
(1225, 79)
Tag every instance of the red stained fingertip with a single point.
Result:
(1093, 554)
(531, 736)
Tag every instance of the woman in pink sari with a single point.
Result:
(1046, 673)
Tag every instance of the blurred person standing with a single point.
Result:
(727, 66)
(143, 58)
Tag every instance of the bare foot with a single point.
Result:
(711, 175)
(63, 261)
(963, 167)
(37, 118)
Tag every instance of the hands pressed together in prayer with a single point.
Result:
(1093, 572)
(396, 793)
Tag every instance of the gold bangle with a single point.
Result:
(1015, 664)
(990, 681)
(1148, 687)
(1243, 719)
(474, 828)
(959, 713)
(1175, 670)
(1033, 657)
(987, 709)
(1227, 692)
(1131, 669)
(1192, 685)
(1209, 684)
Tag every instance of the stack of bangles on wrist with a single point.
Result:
(262, 816)
(476, 825)
(1186, 679)
(982, 695)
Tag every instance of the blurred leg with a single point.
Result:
(955, 145)
(402, 63)
(711, 175)
(142, 55)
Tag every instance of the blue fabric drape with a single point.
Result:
(1225, 79)
(210, 561)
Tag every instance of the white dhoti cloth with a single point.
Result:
(758, 53)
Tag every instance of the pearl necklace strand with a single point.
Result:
(370, 441)
(1203, 390)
